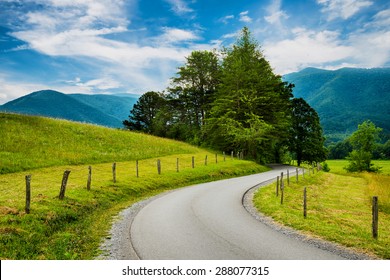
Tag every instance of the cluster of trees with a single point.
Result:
(361, 147)
(341, 150)
(232, 101)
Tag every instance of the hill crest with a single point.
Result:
(105, 110)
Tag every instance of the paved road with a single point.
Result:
(208, 221)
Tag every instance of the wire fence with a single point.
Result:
(55, 182)
(284, 179)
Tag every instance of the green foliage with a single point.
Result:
(363, 142)
(251, 104)
(340, 150)
(325, 167)
(306, 139)
(142, 116)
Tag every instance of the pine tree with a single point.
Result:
(250, 112)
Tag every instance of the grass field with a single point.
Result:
(73, 228)
(339, 207)
(34, 142)
(337, 166)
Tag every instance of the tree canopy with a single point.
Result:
(363, 142)
(230, 101)
(250, 112)
(306, 139)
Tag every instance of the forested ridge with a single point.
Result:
(231, 100)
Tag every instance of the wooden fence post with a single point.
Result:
(297, 174)
(281, 191)
(303, 173)
(136, 168)
(114, 172)
(232, 155)
(159, 167)
(63, 184)
(193, 162)
(288, 177)
(28, 193)
(277, 186)
(216, 158)
(375, 216)
(89, 180)
(304, 203)
(205, 160)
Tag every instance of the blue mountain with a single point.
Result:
(106, 110)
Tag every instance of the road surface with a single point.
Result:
(208, 221)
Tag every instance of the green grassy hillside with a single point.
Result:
(74, 227)
(339, 206)
(34, 142)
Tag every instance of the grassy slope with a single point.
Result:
(34, 142)
(339, 207)
(74, 227)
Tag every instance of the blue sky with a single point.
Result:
(133, 46)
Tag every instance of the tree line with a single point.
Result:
(230, 100)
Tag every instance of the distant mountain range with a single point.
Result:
(345, 98)
(106, 110)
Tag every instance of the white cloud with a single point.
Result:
(343, 8)
(306, 48)
(226, 19)
(172, 35)
(231, 35)
(10, 91)
(380, 20)
(244, 17)
(105, 83)
(62, 30)
(371, 49)
(180, 7)
(275, 13)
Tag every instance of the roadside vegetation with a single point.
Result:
(339, 206)
(73, 228)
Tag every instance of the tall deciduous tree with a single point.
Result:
(144, 112)
(192, 90)
(251, 106)
(306, 139)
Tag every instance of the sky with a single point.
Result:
(134, 46)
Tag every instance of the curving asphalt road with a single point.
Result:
(208, 221)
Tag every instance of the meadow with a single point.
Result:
(73, 228)
(339, 207)
(34, 142)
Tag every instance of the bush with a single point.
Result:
(325, 167)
